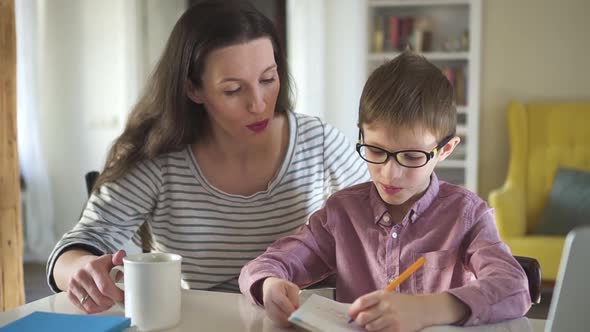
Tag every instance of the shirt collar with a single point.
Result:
(379, 207)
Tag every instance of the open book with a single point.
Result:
(320, 314)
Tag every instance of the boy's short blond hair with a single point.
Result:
(409, 92)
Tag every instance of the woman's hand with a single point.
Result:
(280, 298)
(90, 288)
(388, 311)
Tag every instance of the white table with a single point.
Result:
(213, 311)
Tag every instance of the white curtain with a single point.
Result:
(38, 216)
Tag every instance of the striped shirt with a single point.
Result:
(216, 233)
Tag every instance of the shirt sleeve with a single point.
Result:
(112, 215)
(303, 258)
(343, 166)
(500, 291)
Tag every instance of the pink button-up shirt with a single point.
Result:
(354, 237)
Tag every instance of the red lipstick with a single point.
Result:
(258, 126)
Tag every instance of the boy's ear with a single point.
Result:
(446, 150)
(193, 92)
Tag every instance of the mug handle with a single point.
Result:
(113, 275)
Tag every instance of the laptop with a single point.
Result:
(570, 307)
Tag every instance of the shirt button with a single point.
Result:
(386, 219)
(394, 235)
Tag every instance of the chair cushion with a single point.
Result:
(554, 135)
(568, 205)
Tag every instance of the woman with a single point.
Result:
(212, 164)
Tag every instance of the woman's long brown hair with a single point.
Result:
(165, 119)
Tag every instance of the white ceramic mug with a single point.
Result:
(152, 289)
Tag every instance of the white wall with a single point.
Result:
(159, 18)
(327, 55)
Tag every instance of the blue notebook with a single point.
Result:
(49, 321)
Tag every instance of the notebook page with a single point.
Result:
(321, 314)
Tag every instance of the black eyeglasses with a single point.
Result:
(406, 158)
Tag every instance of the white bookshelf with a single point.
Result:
(448, 47)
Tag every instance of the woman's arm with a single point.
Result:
(111, 217)
(68, 263)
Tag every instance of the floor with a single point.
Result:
(35, 282)
(541, 310)
(36, 288)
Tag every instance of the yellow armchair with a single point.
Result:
(543, 137)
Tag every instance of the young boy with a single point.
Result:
(369, 233)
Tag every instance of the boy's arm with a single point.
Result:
(303, 258)
(501, 289)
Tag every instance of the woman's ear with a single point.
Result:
(193, 92)
(446, 150)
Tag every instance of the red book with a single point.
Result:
(450, 74)
(460, 87)
(394, 32)
(405, 31)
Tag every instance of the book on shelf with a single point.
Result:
(398, 33)
(378, 37)
(460, 87)
(393, 32)
(458, 79)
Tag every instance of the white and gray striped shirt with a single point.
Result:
(216, 233)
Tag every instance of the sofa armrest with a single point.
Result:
(509, 203)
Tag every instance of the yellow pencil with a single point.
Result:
(402, 277)
(408, 272)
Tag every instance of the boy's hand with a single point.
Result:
(280, 298)
(388, 311)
